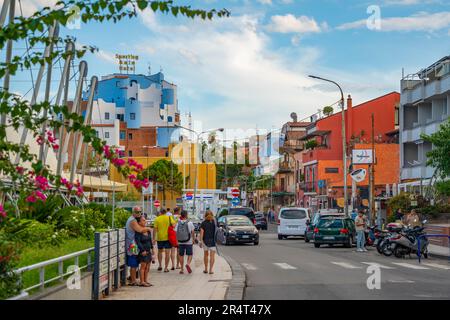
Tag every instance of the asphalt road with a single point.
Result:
(292, 269)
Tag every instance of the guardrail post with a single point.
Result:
(61, 271)
(76, 261)
(42, 277)
(88, 261)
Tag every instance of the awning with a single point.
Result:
(317, 133)
(91, 183)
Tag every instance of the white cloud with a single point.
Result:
(421, 21)
(291, 24)
(106, 56)
(31, 6)
(228, 75)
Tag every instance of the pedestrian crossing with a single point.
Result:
(359, 265)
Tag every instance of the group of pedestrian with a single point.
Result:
(173, 236)
(411, 219)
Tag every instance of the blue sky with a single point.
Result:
(251, 69)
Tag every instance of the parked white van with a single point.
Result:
(292, 222)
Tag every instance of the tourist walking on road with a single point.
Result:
(185, 235)
(131, 227)
(360, 226)
(145, 245)
(208, 241)
(161, 235)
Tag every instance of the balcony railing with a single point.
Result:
(309, 186)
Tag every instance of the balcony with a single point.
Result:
(295, 145)
(285, 167)
(309, 187)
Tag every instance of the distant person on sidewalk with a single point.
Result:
(174, 251)
(131, 227)
(354, 214)
(360, 226)
(185, 235)
(412, 219)
(399, 215)
(145, 245)
(161, 235)
(208, 241)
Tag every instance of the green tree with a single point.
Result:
(166, 174)
(439, 157)
(328, 110)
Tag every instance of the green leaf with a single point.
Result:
(142, 4)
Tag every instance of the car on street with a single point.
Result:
(239, 211)
(333, 230)
(261, 221)
(292, 222)
(195, 219)
(237, 229)
(310, 225)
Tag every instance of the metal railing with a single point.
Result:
(61, 274)
(419, 254)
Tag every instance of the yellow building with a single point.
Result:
(206, 172)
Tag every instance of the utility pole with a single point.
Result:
(372, 174)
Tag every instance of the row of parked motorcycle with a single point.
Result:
(398, 240)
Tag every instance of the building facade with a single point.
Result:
(425, 104)
(323, 183)
(137, 113)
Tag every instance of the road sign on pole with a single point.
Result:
(235, 193)
(156, 203)
(235, 201)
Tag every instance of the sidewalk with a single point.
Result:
(439, 251)
(175, 286)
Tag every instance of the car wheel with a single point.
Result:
(280, 237)
(349, 243)
(306, 238)
(316, 245)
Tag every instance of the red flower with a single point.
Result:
(40, 140)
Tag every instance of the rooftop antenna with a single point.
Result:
(160, 69)
(149, 69)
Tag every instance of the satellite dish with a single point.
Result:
(358, 175)
(294, 116)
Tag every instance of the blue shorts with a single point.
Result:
(132, 261)
(164, 244)
(185, 249)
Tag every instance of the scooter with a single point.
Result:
(386, 246)
(407, 242)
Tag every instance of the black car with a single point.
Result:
(239, 211)
(237, 229)
(261, 221)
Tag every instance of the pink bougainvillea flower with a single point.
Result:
(40, 195)
(41, 182)
(31, 198)
(131, 177)
(63, 181)
(119, 162)
(2, 212)
(20, 170)
(40, 140)
(55, 147)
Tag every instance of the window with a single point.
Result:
(120, 117)
(130, 136)
(293, 214)
(132, 116)
(122, 135)
(96, 133)
(331, 170)
(106, 115)
(106, 135)
(130, 153)
(169, 119)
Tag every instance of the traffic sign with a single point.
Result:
(235, 193)
(235, 201)
(156, 203)
(189, 195)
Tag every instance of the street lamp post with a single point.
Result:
(344, 143)
(196, 163)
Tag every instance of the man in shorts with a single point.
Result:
(184, 228)
(161, 235)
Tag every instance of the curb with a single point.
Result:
(237, 284)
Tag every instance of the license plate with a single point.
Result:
(245, 237)
(328, 238)
(292, 227)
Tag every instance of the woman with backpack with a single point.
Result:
(185, 236)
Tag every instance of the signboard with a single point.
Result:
(156, 203)
(127, 62)
(362, 156)
(189, 196)
(109, 261)
(235, 193)
(358, 175)
(235, 201)
(149, 190)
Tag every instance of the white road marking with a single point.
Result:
(381, 266)
(285, 266)
(401, 281)
(249, 266)
(410, 266)
(345, 265)
(435, 265)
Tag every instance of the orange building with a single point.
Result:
(323, 165)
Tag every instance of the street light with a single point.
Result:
(344, 144)
(196, 163)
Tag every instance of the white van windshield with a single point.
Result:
(293, 214)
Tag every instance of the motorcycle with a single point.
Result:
(407, 242)
(386, 245)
